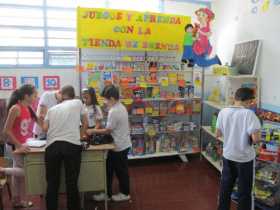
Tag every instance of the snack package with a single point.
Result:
(188, 108)
(163, 108)
(165, 144)
(150, 144)
(155, 105)
(180, 108)
(172, 107)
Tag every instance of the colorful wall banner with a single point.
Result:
(130, 30)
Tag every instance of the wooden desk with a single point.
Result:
(92, 174)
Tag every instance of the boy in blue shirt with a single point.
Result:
(240, 129)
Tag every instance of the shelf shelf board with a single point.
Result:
(161, 154)
(163, 132)
(241, 77)
(161, 99)
(144, 71)
(216, 164)
(208, 130)
(233, 76)
(215, 104)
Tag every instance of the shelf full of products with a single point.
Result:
(159, 96)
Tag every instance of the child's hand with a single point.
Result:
(22, 149)
(89, 132)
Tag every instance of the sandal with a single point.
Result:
(23, 205)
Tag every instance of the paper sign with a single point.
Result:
(51, 82)
(8, 83)
(130, 30)
(30, 80)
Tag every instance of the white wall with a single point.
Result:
(181, 8)
(67, 77)
(236, 23)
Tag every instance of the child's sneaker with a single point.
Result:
(100, 197)
(120, 197)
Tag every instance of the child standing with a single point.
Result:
(47, 101)
(62, 124)
(20, 115)
(240, 128)
(117, 161)
(94, 112)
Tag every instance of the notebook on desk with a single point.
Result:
(31, 142)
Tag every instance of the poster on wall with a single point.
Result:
(130, 30)
(245, 57)
(8, 83)
(30, 80)
(51, 82)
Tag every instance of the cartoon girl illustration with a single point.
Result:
(202, 45)
(197, 47)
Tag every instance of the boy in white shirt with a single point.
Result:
(47, 101)
(117, 161)
(62, 124)
(240, 129)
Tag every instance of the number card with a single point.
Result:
(51, 82)
(8, 83)
(30, 80)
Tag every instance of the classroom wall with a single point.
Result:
(243, 20)
(67, 77)
(181, 8)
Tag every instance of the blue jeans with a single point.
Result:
(232, 171)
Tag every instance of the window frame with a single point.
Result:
(46, 48)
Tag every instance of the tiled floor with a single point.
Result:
(164, 184)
